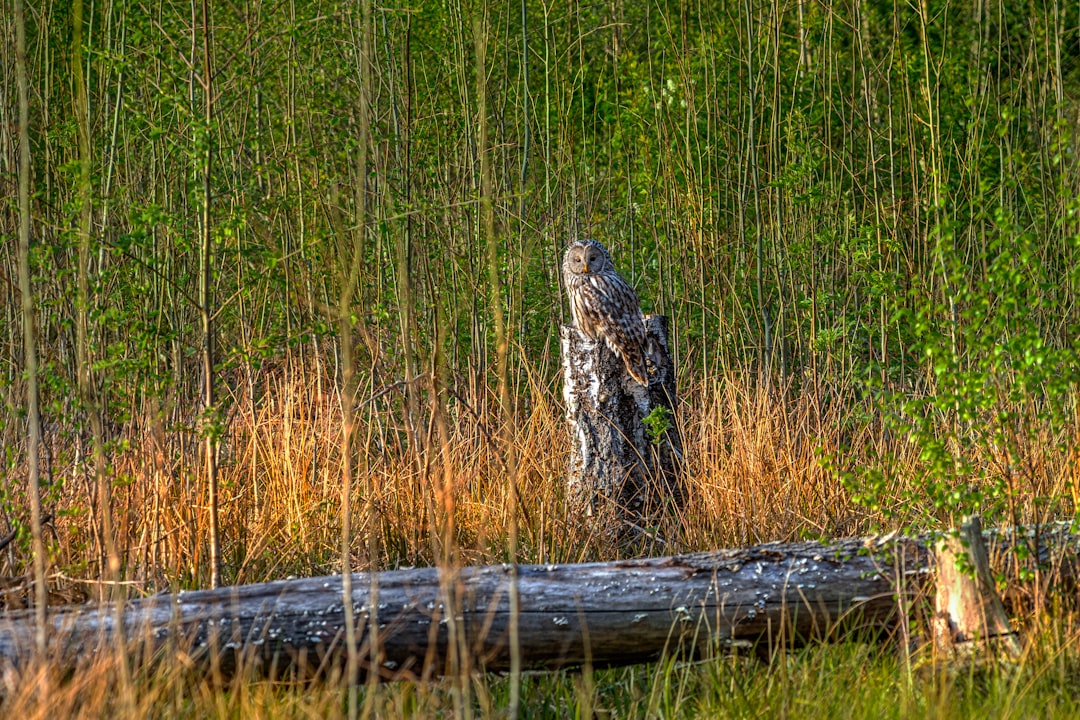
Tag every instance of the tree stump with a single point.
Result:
(969, 618)
(626, 451)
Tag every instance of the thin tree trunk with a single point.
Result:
(110, 561)
(502, 343)
(349, 280)
(206, 309)
(752, 163)
(33, 416)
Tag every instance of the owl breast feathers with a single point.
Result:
(605, 306)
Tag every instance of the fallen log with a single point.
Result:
(433, 621)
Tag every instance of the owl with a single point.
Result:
(604, 305)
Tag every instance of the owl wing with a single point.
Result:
(614, 313)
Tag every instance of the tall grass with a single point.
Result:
(862, 220)
(847, 680)
(756, 471)
(806, 190)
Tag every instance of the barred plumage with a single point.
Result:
(604, 305)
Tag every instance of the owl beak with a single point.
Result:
(585, 267)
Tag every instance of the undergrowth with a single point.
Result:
(843, 680)
(758, 470)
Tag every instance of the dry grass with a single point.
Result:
(754, 473)
(754, 470)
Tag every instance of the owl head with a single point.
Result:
(586, 257)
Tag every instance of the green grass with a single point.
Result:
(842, 680)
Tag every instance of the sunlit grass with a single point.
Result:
(832, 170)
(754, 475)
(844, 680)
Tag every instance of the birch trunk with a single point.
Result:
(625, 451)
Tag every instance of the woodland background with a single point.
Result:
(346, 220)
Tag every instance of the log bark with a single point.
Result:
(626, 450)
(602, 613)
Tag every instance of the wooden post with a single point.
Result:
(626, 450)
(969, 617)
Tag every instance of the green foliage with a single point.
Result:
(891, 188)
(657, 423)
(998, 388)
(636, 130)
